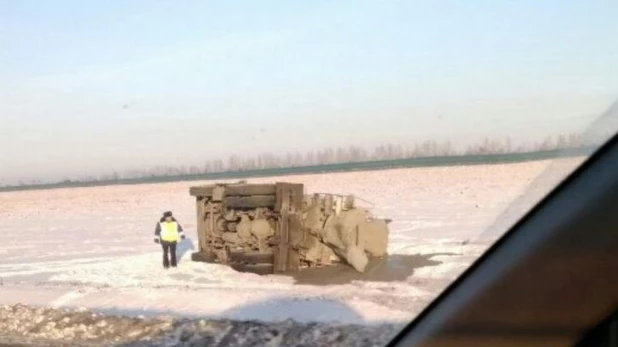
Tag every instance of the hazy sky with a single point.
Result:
(98, 86)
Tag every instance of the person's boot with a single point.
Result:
(166, 263)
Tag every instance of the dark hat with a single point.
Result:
(167, 214)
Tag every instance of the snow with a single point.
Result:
(92, 247)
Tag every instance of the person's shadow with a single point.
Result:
(184, 246)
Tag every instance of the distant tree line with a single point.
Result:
(339, 155)
(354, 154)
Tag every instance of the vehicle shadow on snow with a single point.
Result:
(392, 268)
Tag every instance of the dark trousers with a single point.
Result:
(169, 253)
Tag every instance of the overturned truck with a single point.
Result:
(271, 228)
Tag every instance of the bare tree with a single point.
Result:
(341, 155)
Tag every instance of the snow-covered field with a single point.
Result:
(92, 247)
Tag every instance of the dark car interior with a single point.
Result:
(552, 280)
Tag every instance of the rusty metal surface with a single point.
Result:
(288, 223)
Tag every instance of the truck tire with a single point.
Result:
(252, 257)
(237, 190)
(259, 269)
(203, 257)
(250, 202)
(250, 189)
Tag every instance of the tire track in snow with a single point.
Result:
(66, 298)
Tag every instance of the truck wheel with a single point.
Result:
(252, 257)
(250, 189)
(237, 190)
(259, 269)
(250, 202)
(203, 257)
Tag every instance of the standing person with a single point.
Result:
(168, 232)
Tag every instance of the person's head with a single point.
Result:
(167, 216)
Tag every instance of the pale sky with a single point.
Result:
(90, 87)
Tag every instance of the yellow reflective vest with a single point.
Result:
(169, 231)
